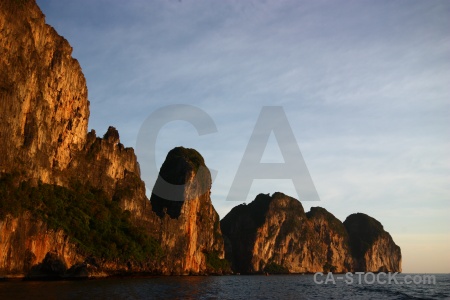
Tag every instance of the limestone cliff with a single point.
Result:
(333, 240)
(45, 111)
(274, 234)
(190, 228)
(106, 164)
(43, 95)
(25, 242)
(49, 163)
(372, 247)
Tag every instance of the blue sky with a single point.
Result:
(364, 84)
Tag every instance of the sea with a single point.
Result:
(228, 287)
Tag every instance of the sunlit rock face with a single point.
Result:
(45, 111)
(43, 95)
(43, 121)
(26, 241)
(43, 129)
(274, 233)
(189, 223)
(106, 164)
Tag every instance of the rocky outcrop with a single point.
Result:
(333, 240)
(274, 234)
(372, 247)
(43, 95)
(45, 111)
(190, 228)
(26, 241)
(29, 248)
(44, 139)
(106, 164)
(43, 120)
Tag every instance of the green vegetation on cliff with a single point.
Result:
(215, 263)
(274, 268)
(96, 224)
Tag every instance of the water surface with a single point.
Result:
(220, 287)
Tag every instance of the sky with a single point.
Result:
(364, 85)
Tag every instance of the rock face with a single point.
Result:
(25, 242)
(106, 164)
(274, 234)
(44, 138)
(333, 240)
(373, 248)
(43, 120)
(190, 226)
(45, 111)
(43, 95)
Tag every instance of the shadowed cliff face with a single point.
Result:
(239, 228)
(190, 230)
(178, 169)
(373, 248)
(274, 234)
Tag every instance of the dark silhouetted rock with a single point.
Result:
(372, 247)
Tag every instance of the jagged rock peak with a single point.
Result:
(273, 234)
(360, 224)
(320, 213)
(258, 208)
(258, 235)
(180, 163)
(112, 135)
(183, 176)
